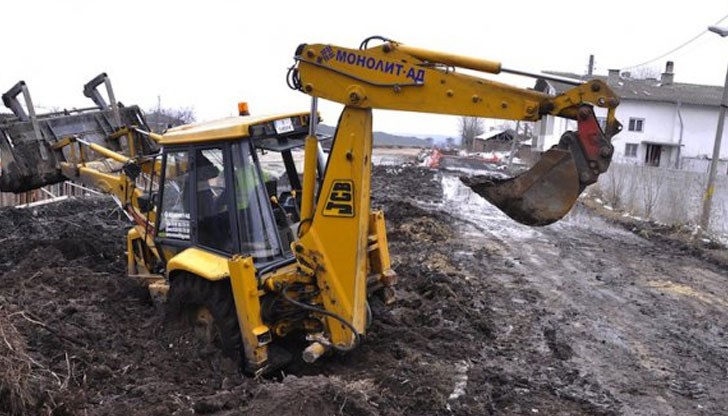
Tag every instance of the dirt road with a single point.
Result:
(641, 324)
(580, 317)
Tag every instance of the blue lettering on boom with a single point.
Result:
(385, 67)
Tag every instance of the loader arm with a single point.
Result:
(333, 244)
(115, 174)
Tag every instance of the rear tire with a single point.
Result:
(188, 292)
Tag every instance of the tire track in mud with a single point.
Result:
(645, 321)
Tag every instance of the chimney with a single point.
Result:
(590, 70)
(613, 77)
(668, 76)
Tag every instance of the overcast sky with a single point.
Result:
(211, 54)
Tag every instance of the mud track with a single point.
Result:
(581, 317)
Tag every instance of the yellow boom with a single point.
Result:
(399, 77)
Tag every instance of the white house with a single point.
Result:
(666, 124)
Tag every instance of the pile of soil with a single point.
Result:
(100, 346)
(404, 183)
(469, 334)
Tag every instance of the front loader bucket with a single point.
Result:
(32, 145)
(540, 196)
(29, 160)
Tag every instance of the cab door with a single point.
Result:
(214, 223)
(174, 228)
(196, 200)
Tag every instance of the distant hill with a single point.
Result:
(382, 139)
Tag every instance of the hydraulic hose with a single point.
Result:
(357, 338)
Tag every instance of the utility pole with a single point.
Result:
(159, 114)
(710, 189)
(514, 143)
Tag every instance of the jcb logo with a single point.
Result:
(340, 202)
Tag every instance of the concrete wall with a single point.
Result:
(702, 165)
(665, 195)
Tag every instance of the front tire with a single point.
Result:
(188, 293)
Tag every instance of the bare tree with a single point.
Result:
(614, 183)
(652, 180)
(160, 119)
(470, 128)
(645, 72)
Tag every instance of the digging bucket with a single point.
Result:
(539, 196)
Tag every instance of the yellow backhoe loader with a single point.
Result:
(266, 257)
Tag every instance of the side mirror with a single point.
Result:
(146, 202)
(131, 170)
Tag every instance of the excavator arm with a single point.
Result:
(342, 245)
(394, 76)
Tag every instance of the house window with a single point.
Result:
(630, 149)
(636, 124)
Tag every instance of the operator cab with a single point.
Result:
(217, 196)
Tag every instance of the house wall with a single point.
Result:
(658, 126)
(549, 130)
(661, 125)
(699, 134)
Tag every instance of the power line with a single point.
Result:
(691, 40)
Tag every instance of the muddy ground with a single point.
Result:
(581, 317)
